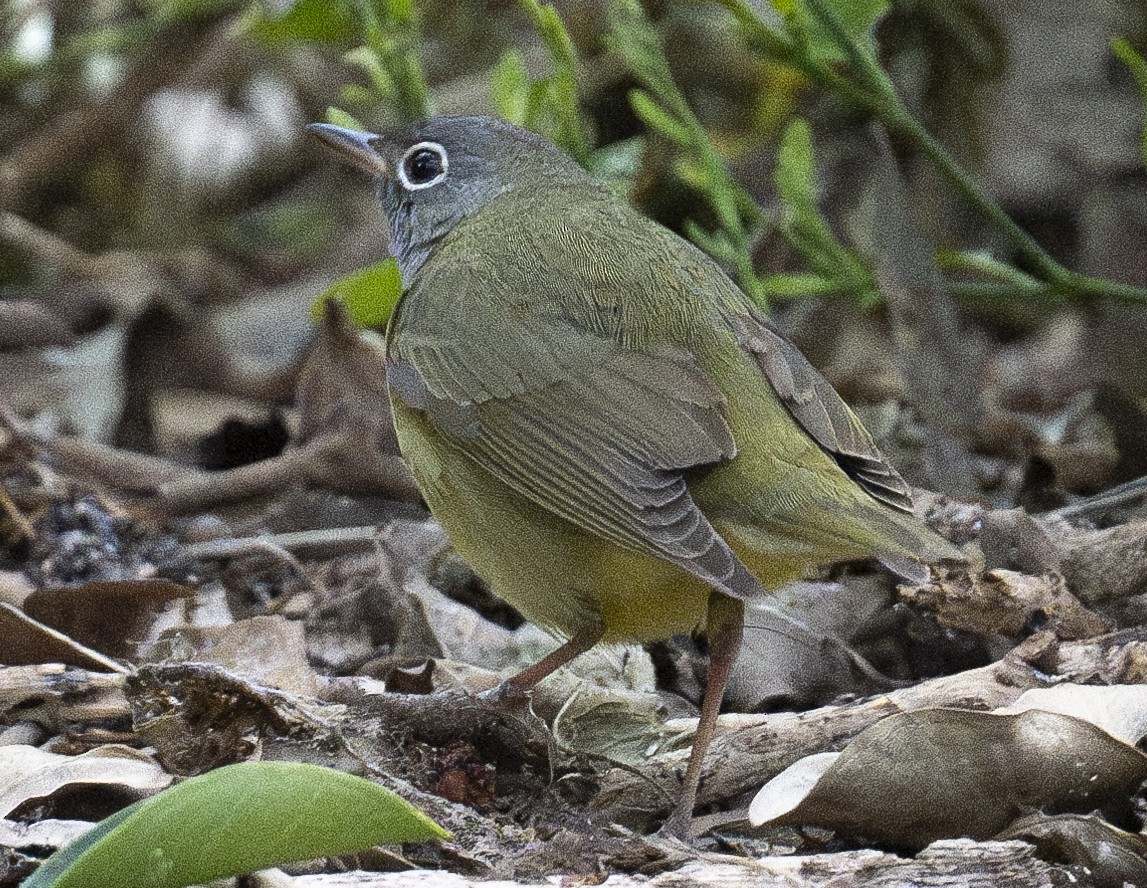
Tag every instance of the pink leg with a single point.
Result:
(516, 685)
(725, 625)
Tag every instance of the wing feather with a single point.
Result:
(821, 412)
(607, 448)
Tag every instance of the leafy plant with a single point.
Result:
(828, 41)
(834, 268)
(547, 105)
(386, 32)
(664, 110)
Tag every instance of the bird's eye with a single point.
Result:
(423, 165)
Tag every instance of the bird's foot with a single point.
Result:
(506, 695)
(678, 826)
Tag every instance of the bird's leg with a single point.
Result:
(516, 685)
(726, 621)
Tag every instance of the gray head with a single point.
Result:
(434, 174)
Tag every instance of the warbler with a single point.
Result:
(610, 431)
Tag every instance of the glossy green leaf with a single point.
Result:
(369, 294)
(235, 820)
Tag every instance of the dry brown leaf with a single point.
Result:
(114, 616)
(268, 650)
(342, 385)
(779, 663)
(1121, 710)
(28, 642)
(56, 697)
(15, 587)
(623, 726)
(25, 324)
(919, 776)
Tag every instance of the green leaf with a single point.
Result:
(235, 820)
(857, 17)
(618, 161)
(339, 117)
(1138, 68)
(805, 226)
(369, 294)
(320, 21)
(799, 286)
(372, 64)
(658, 119)
(795, 168)
(510, 87)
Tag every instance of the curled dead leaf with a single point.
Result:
(27, 772)
(919, 776)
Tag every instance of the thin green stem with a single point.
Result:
(890, 109)
(900, 122)
(983, 264)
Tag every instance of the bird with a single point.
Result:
(610, 431)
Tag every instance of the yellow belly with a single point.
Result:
(558, 576)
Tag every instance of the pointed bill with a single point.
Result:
(356, 148)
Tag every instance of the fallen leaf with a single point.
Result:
(1121, 710)
(919, 776)
(268, 650)
(27, 772)
(28, 642)
(113, 616)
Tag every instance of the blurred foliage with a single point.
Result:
(664, 111)
(1138, 68)
(386, 50)
(833, 268)
(548, 105)
(369, 294)
(685, 105)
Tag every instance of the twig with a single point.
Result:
(326, 543)
(1124, 494)
(43, 245)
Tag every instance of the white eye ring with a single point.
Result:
(404, 174)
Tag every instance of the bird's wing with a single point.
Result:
(820, 411)
(586, 427)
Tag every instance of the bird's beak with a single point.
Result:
(355, 147)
